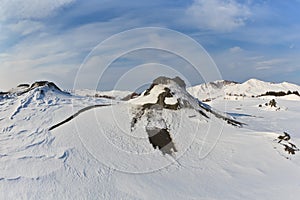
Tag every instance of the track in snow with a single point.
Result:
(76, 114)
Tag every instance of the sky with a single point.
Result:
(59, 40)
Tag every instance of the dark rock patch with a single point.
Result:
(289, 147)
(104, 96)
(285, 137)
(3, 93)
(130, 96)
(273, 103)
(23, 85)
(161, 138)
(44, 83)
(165, 80)
(228, 120)
(147, 92)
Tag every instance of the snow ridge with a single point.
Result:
(250, 88)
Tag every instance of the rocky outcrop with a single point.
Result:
(160, 91)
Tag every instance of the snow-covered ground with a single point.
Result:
(106, 153)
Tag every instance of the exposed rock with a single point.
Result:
(289, 147)
(165, 80)
(104, 96)
(273, 103)
(147, 92)
(161, 138)
(130, 96)
(3, 93)
(23, 85)
(44, 83)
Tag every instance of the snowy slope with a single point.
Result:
(106, 152)
(26, 113)
(252, 87)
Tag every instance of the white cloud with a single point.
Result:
(248, 64)
(51, 56)
(292, 46)
(149, 38)
(25, 27)
(268, 64)
(218, 15)
(33, 9)
(235, 49)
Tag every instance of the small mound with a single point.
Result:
(43, 86)
(40, 92)
(169, 94)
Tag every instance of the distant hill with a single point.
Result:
(250, 88)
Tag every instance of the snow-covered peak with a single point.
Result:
(170, 94)
(254, 81)
(167, 92)
(258, 87)
(250, 88)
(267, 85)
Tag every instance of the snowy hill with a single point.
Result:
(250, 88)
(163, 144)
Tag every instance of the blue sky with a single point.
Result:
(50, 39)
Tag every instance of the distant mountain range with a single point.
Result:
(250, 88)
(205, 91)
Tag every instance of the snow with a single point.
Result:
(151, 98)
(233, 90)
(117, 94)
(98, 156)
